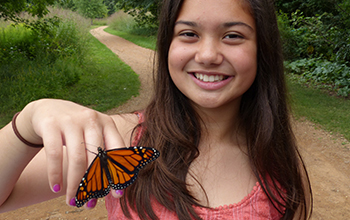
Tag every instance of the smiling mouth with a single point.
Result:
(209, 78)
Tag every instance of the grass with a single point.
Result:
(143, 41)
(123, 25)
(96, 78)
(107, 83)
(332, 113)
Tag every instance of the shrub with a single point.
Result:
(121, 21)
(322, 73)
(324, 36)
(38, 64)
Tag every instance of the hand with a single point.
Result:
(59, 123)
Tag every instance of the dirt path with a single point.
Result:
(327, 156)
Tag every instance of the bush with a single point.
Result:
(38, 64)
(22, 42)
(322, 73)
(121, 21)
(311, 37)
(145, 12)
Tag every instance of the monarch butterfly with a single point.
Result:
(117, 168)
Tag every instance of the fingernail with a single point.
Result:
(72, 202)
(119, 192)
(91, 203)
(56, 188)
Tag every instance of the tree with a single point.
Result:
(111, 6)
(91, 8)
(9, 9)
(66, 4)
(145, 12)
(308, 7)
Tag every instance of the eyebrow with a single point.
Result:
(226, 25)
(237, 23)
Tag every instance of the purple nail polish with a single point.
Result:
(72, 202)
(119, 192)
(56, 188)
(91, 203)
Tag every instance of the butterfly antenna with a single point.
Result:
(87, 148)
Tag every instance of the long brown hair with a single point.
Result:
(172, 126)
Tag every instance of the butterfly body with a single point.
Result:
(116, 169)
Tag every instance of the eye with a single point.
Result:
(233, 36)
(188, 34)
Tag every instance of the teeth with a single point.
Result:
(211, 78)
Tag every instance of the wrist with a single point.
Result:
(21, 135)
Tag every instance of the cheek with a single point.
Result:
(177, 57)
(246, 63)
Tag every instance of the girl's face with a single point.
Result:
(213, 53)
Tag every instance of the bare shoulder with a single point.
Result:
(125, 124)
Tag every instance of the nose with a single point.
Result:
(208, 53)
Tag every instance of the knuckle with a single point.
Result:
(91, 117)
(78, 158)
(90, 114)
(53, 154)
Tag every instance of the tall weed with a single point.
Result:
(36, 65)
(121, 21)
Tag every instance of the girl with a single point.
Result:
(219, 118)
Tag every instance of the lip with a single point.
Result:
(210, 85)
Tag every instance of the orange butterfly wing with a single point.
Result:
(116, 168)
(124, 164)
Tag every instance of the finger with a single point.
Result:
(52, 139)
(112, 137)
(77, 161)
(117, 193)
(93, 137)
(79, 157)
(90, 204)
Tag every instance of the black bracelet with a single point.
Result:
(19, 136)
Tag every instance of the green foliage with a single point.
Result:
(145, 12)
(121, 21)
(323, 74)
(19, 42)
(66, 4)
(305, 37)
(111, 6)
(91, 8)
(124, 25)
(36, 65)
(71, 4)
(9, 9)
(309, 7)
(316, 42)
(83, 70)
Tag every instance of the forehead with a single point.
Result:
(216, 11)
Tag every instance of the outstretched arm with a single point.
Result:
(29, 175)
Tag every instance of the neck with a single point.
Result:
(220, 126)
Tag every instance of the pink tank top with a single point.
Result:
(255, 206)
